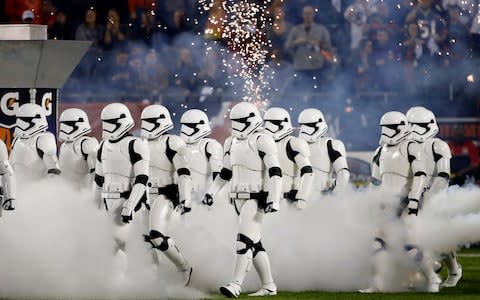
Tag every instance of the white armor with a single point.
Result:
(251, 164)
(78, 152)
(34, 152)
(398, 164)
(121, 171)
(399, 167)
(293, 154)
(424, 128)
(437, 154)
(328, 156)
(204, 155)
(169, 183)
(9, 187)
(121, 176)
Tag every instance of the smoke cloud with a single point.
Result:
(58, 244)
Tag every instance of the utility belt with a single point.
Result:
(170, 191)
(261, 197)
(116, 195)
(107, 196)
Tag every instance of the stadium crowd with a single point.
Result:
(143, 48)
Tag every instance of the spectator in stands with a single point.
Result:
(363, 66)
(465, 157)
(432, 27)
(121, 77)
(214, 25)
(357, 15)
(15, 9)
(179, 24)
(278, 30)
(399, 10)
(154, 76)
(136, 64)
(381, 20)
(186, 71)
(458, 48)
(458, 34)
(61, 29)
(115, 32)
(387, 70)
(211, 74)
(411, 50)
(294, 12)
(432, 33)
(308, 43)
(90, 29)
(145, 30)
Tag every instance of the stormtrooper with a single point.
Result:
(204, 155)
(399, 168)
(251, 164)
(34, 150)
(78, 151)
(121, 175)
(293, 154)
(328, 156)
(170, 185)
(8, 189)
(437, 154)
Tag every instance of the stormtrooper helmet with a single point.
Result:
(413, 109)
(423, 125)
(245, 119)
(30, 120)
(116, 121)
(73, 124)
(312, 124)
(278, 123)
(156, 120)
(394, 128)
(195, 125)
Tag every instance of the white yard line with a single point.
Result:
(469, 255)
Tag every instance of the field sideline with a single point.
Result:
(468, 288)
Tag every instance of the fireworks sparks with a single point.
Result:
(242, 26)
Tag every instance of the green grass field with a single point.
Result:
(468, 288)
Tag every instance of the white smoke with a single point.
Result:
(58, 244)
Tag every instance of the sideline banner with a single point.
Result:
(12, 98)
(470, 126)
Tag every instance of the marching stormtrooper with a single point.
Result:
(328, 156)
(78, 151)
(204, 155)
(34, 149)
(294, 156)
(251, 164)
(9, 188)
(121, 174)
(399, 168)
(424, 128)
(170, 185)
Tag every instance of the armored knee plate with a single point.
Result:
(158, 240)
(378, 245)
(249, 245)
(414, 252)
